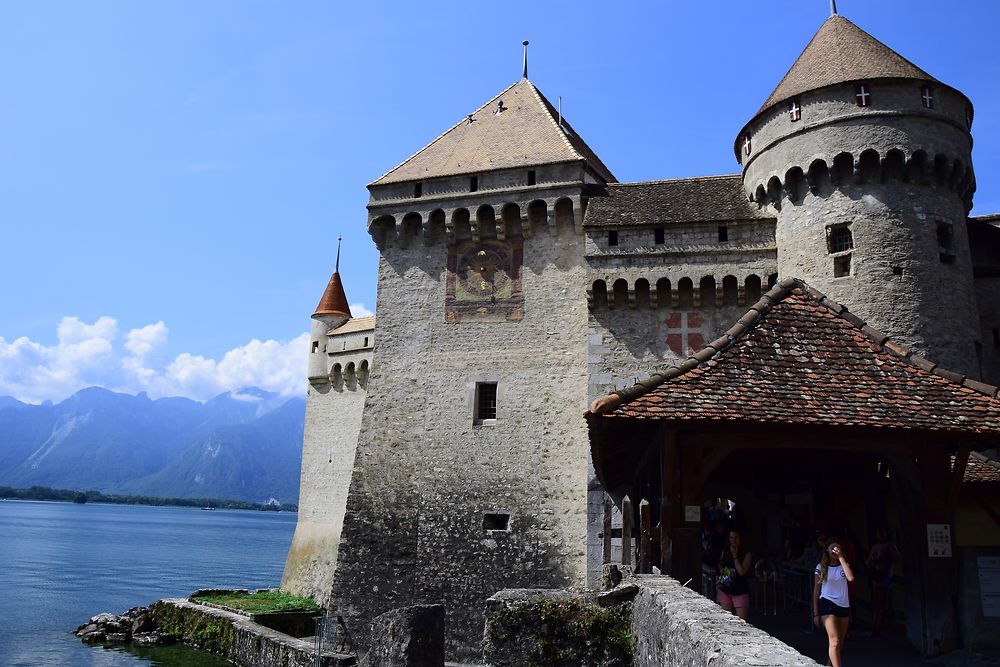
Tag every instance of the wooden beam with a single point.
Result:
(645, 537)
(607, 528)
(626, 531)
(958, 471)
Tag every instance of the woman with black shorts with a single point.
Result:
(831, 604)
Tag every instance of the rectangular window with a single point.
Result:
(842, 266)
(927, 97)
(723, 234)
(840, 239)
(366, 341)
(486, 401)
(944, 236)
(658, 236)
(531, 177)
(315, 346)
(794, 110)
(474, 184)
(496, 521)
(612, 238)
(418, 189)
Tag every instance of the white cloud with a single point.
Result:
(91, 355)
(359, 310)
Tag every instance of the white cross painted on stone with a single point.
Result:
(746, 144)
(795, 111)
(685, 332)
(928, 96)
(863, 96)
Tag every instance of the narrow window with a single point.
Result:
(996, 337)
(723, 234)
(366, 341)
(840, 239)
(794, 110)
(746, 145)
(658, 236)
(496, 521)
(486, 401)
(863, 95)
(897, 270)
(474, 184)
(842, 266)
(612, 238)
(927, 97)
(945, 241)
(418, 189)
(315, 346)
(531, 177)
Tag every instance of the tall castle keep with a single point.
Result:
(445, 454)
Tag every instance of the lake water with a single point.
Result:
(61, 563)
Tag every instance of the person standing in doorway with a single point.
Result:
(882, 557)
(831, 602)
(733, 590)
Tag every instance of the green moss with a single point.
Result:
(568, 632)
(262, 602)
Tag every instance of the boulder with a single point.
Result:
(408, 637)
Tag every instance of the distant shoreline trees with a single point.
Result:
(82, 497)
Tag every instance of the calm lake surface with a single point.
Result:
(61, 563)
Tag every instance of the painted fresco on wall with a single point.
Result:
(686, 332)
(484, 281)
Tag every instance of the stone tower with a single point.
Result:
(340, 350)
(471, 466)
(865, 160)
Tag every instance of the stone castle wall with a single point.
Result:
(426, 475)
(334, 406)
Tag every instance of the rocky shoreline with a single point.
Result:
(137, 625)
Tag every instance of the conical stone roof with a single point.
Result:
(840, 52)
(525, 134)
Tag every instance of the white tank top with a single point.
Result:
(834, 588)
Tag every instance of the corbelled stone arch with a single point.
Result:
(916, 168)
(620, 295)
(760, 194)
(642, 293)
(509, 225)
(774, 191)
(409, 228)
(869, 166)
(350, 375)
(565, 214)
(538, 214)
(752, 287)
(894, 165)
(941, 169)
(957, 172)
(381, 228)
(818, 176)
(706, 290)
(461, 224)
(795, 185)
(597, 296)
(843, 169)
(435, 227)
(663, 292)
(337, 376)
(685, 293)
(485, 226)
(730, 291)
(363, 373)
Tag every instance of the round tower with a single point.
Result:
(332, 311)
(865, 160)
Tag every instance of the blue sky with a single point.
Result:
(182, 169)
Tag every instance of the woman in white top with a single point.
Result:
(831, 605)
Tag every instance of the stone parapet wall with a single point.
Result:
(674, 626)
(239, 639)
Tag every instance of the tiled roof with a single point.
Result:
(840, 52)
(355, 325)
(524, 135)
(334, 300)
(797, 357)
(980, 469)
(703, 199)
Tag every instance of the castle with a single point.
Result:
(445, 454)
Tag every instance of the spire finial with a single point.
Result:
(833, 7)
(337, 267)
(524, 71)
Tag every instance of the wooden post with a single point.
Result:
(645, 537)
(958, 472)
(670, 512)
(688, 540)
(626, 531)
(607, 528)
(666, 546)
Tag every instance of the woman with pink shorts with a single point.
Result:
(732, 588)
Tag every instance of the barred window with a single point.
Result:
(863, 95)
(841, 239)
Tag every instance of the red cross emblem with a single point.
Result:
(685, 333)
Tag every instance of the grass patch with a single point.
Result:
(262, 602)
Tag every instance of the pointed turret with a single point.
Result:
(333, 309)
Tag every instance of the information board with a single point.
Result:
(989, 584)
(939, 540)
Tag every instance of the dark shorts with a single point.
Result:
(827, 608)
(880, 577)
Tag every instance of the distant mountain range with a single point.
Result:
(244, 445)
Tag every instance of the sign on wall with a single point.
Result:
(939, 540)
(989, 584)
(484, 282)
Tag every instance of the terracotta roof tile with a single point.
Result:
(799, 362)
(980, 469)
(702, 199)
(334, 300)
(526, 134)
